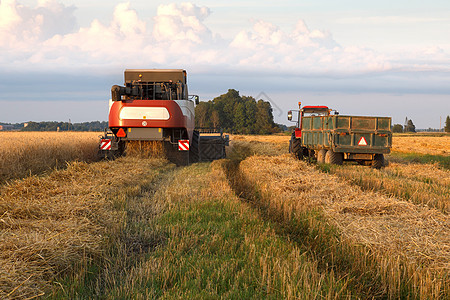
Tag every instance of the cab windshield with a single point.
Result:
(309, 113)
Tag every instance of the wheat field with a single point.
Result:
(395, 230)
(28, 153)
(259, 220)
(437, 145)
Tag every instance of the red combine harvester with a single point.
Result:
(154, 105)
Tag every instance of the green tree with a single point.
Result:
(398, 128)
(215, 119)
(240, 118)
(236, 114)
(410, 127)
(224, 104)
(264, 117)
(202, 114)
(250, 112)
(447, 124)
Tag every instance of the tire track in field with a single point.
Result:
(395, 235)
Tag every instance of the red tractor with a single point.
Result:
(332, 138)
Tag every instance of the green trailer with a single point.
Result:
(333, 138)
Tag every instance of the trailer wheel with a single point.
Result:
(378, 161)
(194, 148)
(321, 156)
(334, 158)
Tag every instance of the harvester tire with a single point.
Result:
(194, 148)
(334, 158)
(321, 156)
(378, 161)
(296, 146)
(180, 158)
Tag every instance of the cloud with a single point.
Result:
(182, 22)
(383, 20)
(27, 26)
(47, 38)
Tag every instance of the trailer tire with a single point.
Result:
(334, 158)
(297, 148)
(378, 161)
(321, 156)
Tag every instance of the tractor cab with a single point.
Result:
(315, 111)
(307, 111)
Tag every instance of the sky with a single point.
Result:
(58, 59)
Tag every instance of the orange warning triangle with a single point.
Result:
(362, 142)
(121, 133)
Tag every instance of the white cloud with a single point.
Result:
(21, 25)
(383, 20)
(47, 37)
(182, 22)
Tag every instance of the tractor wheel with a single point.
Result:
(291, 143)
(297, 148)
(378, 161)
(194, 148)
(321, 156)
(334, 158)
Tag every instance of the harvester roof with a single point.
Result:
(155, 75)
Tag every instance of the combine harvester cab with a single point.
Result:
(335, 138)
(154, 106)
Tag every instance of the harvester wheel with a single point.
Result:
(321, 156)
(194, 148)
(334, 158)
(378, 161)
(296, 147)
(180, 158)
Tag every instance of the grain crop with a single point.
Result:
(27, 153)
(259, 224)
(424, 184)
(145, 149)
(57, 224)
(410, 243)
(435, 145)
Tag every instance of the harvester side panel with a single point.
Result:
(144, 115)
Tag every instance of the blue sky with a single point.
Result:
(58, 59)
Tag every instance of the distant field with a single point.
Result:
(26, 153)
(418, 143)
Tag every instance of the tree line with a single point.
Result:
(410, 127)
(65, 126)
(234, 113)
